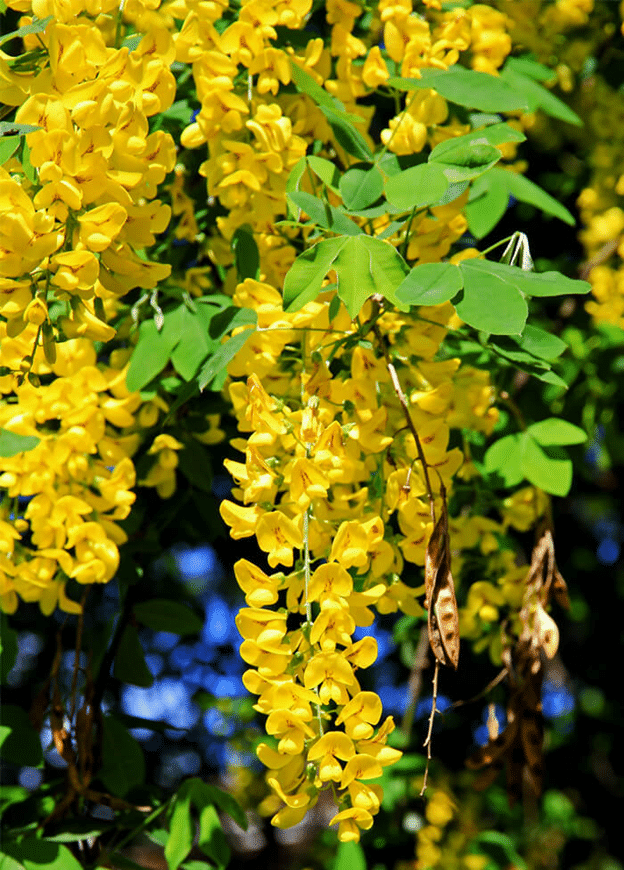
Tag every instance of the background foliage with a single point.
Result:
(189, 191)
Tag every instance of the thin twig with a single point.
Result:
(484, 692)
(427, 742)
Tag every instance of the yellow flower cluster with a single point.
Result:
(74, 232)
(332, 490)
(256, 132)
(62, 500)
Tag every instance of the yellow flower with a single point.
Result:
(327, 750)
(360, 714)
(277, 534)
(332, 673)
(350, 821)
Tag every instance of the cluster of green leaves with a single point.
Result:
(489, 297)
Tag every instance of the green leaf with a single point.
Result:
(19, 742)
(181, 832)
(123, 764)
(464, 160)
(225, 802)
(37, 25)
(465, 87)
(417, 186)
(323, 214)
(246, 254)
(161, 614)
(150, 355)
(293, 181)
(555, 432)
(231, 318)
(348, 136)
(489, 198)
(540, 343)
(11, 443)
(194, 344)
(8, 147)
(326, 171)
(130, 664)
(365, 266)
(550, 470)
(122, 862)
(222, 356)
(24, 155)
(531, 68)
(34, 853)
(8, 647)
(9, 863)
(8, 128)
(339, 120)
(76, 830)
(529, 283)
(179, 111)
(361, 186)
(430, 284)
(349, 856)
(504, 458)
(304, 279)
(500, 848)
(490, 302)
(526, 191)
(211, 839)
(536, 96)
(494, 134)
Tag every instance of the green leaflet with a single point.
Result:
(416, 186)
(123, 764)
(197, 797)
(490, 302)
(364, 266)
(161, 614)
(341, 121)
(323, 214)
(361, 186)
(221, 357)
(350, 856)
(187, 339)
(11, 443)
(33, 853)
(519, 76)
(19, 742)
(246, 254)
(430, 284)
(130, 666)
(37, 25)
(465, 161)
(536, 455)
(466, 87)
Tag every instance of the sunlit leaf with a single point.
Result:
(550, 470)
(490, 302)
(555, 432)
(416, 186)
(323, 214)
(466, 87)
(11, 443)
(361, 186)
(430, 284)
